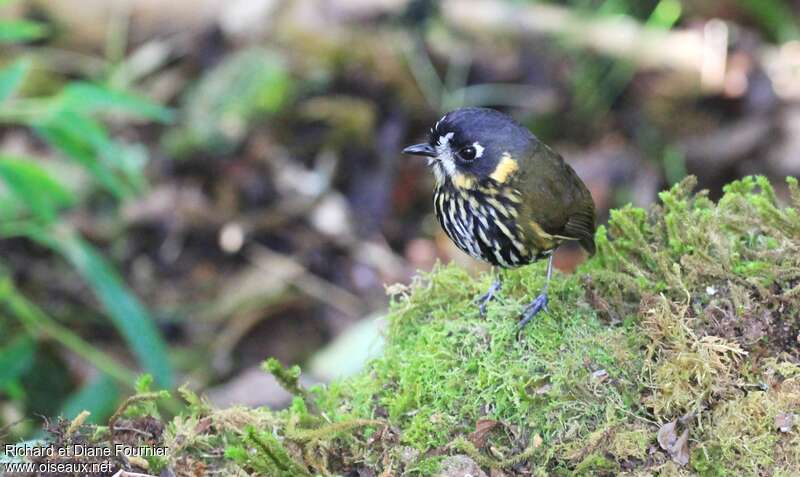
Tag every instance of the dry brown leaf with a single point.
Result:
(677, 447)
(680, 451)
(202, 425)
(482, 429)
(667, 436)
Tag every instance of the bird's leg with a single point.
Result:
(484, 299)
(540, 303)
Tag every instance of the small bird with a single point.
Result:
(503, 196)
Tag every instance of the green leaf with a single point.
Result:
(127, 313)
(21, 30)
(10, 209)
(16, 359)
(99, 396)
(144, 384)
(88, 98)
(33, 187)
(11, 77)
(666, 13)
(87, 142)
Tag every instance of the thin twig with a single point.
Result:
(77, 422)
(134, 430)
(129, 402)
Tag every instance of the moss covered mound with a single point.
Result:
(673, 351)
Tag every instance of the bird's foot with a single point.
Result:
(534, 307)
(484, 299)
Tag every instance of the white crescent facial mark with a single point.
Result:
(478, 149)
(444, 155)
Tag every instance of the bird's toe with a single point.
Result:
(490, 294)
(534, 307)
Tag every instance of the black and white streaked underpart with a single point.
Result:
(483, 224)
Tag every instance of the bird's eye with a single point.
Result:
(467, 153)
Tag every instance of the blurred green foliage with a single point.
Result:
(35, 205)
(775, 17)
(12, 31)
(216, 112)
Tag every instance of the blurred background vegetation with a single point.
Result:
(189, 187)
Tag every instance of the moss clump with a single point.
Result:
(687, 315)
(709, 296)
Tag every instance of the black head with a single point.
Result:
(475, 143)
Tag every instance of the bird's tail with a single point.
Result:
(581, 226)
(587, 243)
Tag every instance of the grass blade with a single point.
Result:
(88, 98)
(37, 323)
(99, 396)
(87, 142)
(21, 30)
(11, 77)
(127, 313)
(34, 187)
(15, 359)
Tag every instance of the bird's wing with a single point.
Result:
(556, 198)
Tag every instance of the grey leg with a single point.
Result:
(540, 303)
(489, 296)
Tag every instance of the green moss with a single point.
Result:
(441, 363)
(688, 311)
(745, 433)
(595, 464)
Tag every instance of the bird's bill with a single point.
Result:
(420, 150)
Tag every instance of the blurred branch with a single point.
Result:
(250, 297)
(309, 283)
(456, 78)
(423, 71)
(716, 150)
(64, 61)
(258, 286)
(536, 98)
(616, 36)
(117, 33)
(702, 53)
(598, 86)
(234, 330)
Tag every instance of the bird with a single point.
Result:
(503, 196)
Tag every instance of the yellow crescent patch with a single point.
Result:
(505, 169)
